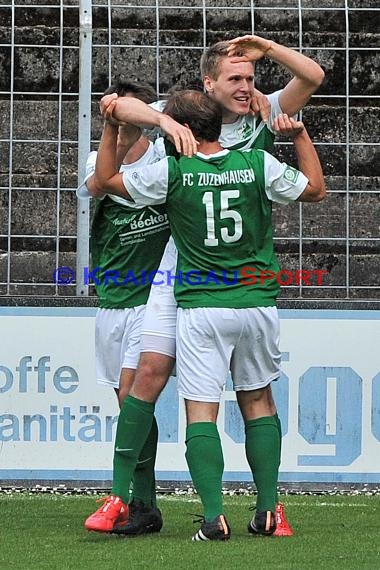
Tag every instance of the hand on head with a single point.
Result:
(248, 48)
(181, 136)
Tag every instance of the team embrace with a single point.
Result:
(212, 175)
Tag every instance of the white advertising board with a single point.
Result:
(56, 423)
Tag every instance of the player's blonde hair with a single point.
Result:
(211, 58)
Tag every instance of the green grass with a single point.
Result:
(46, 531)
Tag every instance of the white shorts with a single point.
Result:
(158, 331)
(117, 342)
(212, 341)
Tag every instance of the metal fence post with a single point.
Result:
(84, 139)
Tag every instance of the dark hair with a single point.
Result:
(141, 91)
(201, 113)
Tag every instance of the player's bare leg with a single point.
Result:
(152, 375)
(127, 376)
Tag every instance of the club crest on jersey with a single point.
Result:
(291, 175)
(245, 131)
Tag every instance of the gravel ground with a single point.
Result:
(306, 489)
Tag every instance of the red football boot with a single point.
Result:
(104, 519)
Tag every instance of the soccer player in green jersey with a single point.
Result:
(127, 244)
(230, 81)
(219, 207)
(126, 249)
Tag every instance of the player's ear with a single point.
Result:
(208, 84)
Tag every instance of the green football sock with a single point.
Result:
(262, 446)
(133, 427)
(204, 457)
(144, 482)
(278, 421)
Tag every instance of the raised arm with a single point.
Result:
(143, 186)
(106, 178)
(136, 112)
(129, 110)
(308, 75)
(308, 160)
(128, 135)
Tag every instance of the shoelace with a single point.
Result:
(104, 500)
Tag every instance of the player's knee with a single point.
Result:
(261, 395)
(151, 377)
(154, 368)
(256, 403)
(146, 371)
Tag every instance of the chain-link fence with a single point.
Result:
(57, 57)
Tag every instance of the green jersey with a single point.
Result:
(127, 242)
(126, 250)
(219, 208)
